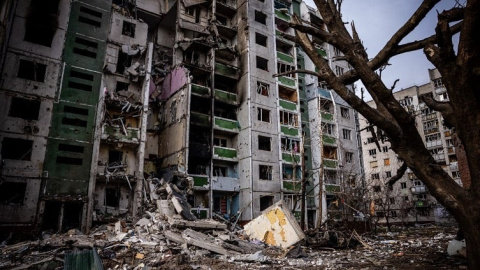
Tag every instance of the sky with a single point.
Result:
(377, 20)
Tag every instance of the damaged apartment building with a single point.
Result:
(100, 97)
(409, 200)
(241, 134)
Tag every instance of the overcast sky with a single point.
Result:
(377, 20)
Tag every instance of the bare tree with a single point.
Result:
(460, 74)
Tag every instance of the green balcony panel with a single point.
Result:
(421, 204)
(200, 181)
(225, 96)
(118, 134)
(322, 52)
(285, 57)
(291, 158)
(329, 139)
(225, 152)
(327, 116)
(288, 105)
(287, 81)
(292, 131)
(281, 15)
(200, 90)
(330, 163)
(224, 123)
(292, 185)
(200, 119)
(226, 70)
(332, 188)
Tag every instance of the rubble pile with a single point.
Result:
(169, 236)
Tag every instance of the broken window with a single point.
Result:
(328, 129)
(219, 171)
(403, 185)
(392, 200)
(265, 202)
(191, 57)
(260, 17)
(388, 174)
(375, 176)
(372, 152)
(17, 149)
(12, 192)
(380, 214)
(30, 70)
(24, 108)
(124, 61)
(128, 29)
(220, 204)
(112, 197)
(336, 51)
(347, 134)
(115, 156)
(262, 63)
(345, 112)
(456, 174)
(265, 172)
(263, 115)
(41, 22)
(377, 189)
(406, 198)
(385, 149)
(282, 67)
(121, 86)
(70, 148)
(261, 39)
(89, 20)
(437, 83)
(263, 89)
(386, 162)
(289, 144)
(288, 119)
(331, 177)
(348, 157)
(220, 142)
(264, 143)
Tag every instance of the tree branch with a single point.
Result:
(445, 108)
(400, 172)
(323, 35)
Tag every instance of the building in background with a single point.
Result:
(409, 200)
(100, 97)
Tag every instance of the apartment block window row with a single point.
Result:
(263, 115)
(263, 89)
(282, 67)
(345, 112)
(265, 172)
(328, 129)
(372, 152)
(347, 134)
(288, 119)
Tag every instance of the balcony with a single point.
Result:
(322, 52)
(200, 90)
(451, 150)
(200, 119)
(224, 183)
(454, 166)
(292, 106)
(332, 188)
(224, 153)
(422, 204)
(418, 190)
(227, 7)
(227, 97)
(226, 124)
(281, 15)
(285, 57)
(120, 134)
(326, 116)
(330, 163)
(200, 182)
(327, 139)
(287, 82)
(291, 158)
(226, 70)
(440, 90)
(289, 130)
(293, 186)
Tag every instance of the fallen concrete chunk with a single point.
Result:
(276, 226)
(203, 241)
(175, 237)
(165, 208)
(457, 248)
(256, 257)
(199, 224)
